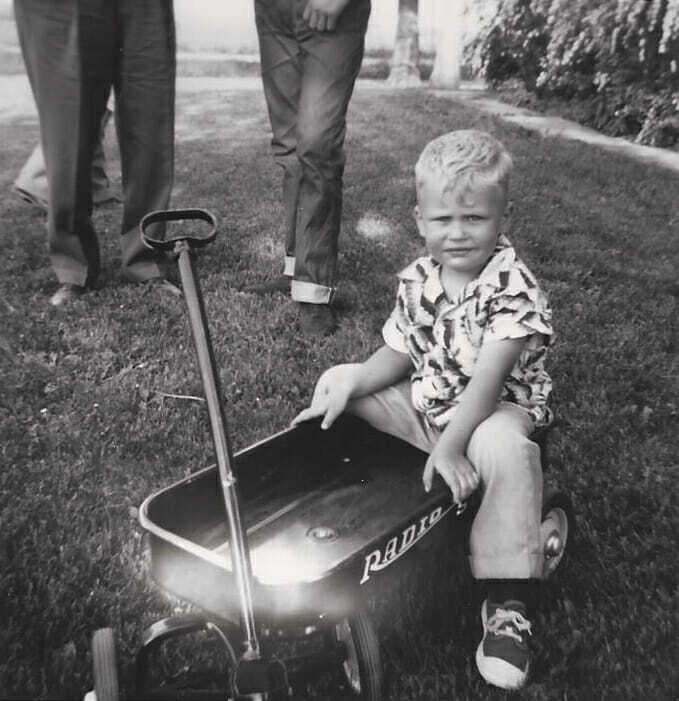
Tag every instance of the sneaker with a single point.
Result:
(278, 284)
(503, 656)
(66, 293)
(316, 319)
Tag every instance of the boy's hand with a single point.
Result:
(331, 394)
(322, 15)
(456, 470)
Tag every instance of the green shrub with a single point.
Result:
(516, 47)
(617, 57)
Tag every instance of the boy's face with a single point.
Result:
(460, 226)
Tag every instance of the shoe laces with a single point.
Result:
(509, 623)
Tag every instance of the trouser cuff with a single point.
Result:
(139, 263)
(311, 292)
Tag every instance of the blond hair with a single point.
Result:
(465, 157)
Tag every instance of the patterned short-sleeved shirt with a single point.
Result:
(443, 337)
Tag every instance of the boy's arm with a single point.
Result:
(477, 402)
(383, 368)
(337, 385)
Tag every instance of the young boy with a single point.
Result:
(461, 375)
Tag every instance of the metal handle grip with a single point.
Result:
(158, 237)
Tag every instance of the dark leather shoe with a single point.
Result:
(66, 293)
(316, 319)
(268, 287)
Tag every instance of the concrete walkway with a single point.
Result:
(16, 102)
(556, 126)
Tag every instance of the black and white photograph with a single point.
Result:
(339, 347)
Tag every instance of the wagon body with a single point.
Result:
(326, 513)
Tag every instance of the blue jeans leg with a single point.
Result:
(308, 80)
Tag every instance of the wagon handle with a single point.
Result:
(181, 245)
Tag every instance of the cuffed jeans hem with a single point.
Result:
(517, 567)
(310, 292)
(289, 266)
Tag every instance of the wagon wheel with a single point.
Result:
(362, 667)
(558, 523)
(104, 665)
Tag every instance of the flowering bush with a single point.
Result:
(618, 56)
(516, 45)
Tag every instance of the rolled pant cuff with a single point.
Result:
(311, 292)
(516, 567)
(289, 266)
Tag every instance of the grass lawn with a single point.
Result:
(89, 426)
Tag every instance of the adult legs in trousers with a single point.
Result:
(145, 101)
(308, 79)
(31, 182)
(74, 51)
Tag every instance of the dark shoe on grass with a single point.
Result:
(268, 287)
(66, 293)
(316, 319)
(503, 656)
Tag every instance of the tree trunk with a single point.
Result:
(446, 73)
(404, 70)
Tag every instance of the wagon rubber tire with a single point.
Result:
(104, 665)
(362, 669)
(556, 530)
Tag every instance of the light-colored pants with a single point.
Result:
(505, 535)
